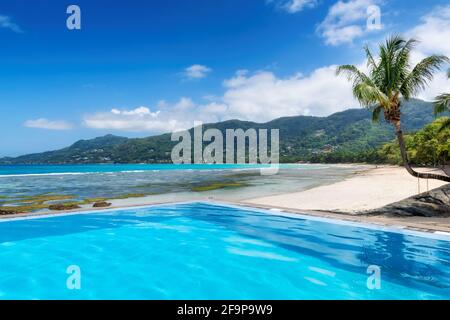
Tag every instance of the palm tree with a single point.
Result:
(389, 79)
(441, 105)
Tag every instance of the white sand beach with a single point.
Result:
(370, 189)
(366, 189)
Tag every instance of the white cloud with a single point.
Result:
(169, 117)
(197, 71)
(184, 104)
(6, 22)
(259, 97)
(43, 123)
(139, 119)
(141, 111)
(347, 20)
(263, 96)
(293, 6)
(433, 33)
(439, 85)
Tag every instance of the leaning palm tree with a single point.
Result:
(441, 105)
(390, 78)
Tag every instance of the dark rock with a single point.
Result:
(101, 204)
(435, 203)
(6, 212)
(62, 206)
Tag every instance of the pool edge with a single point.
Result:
(329, 217)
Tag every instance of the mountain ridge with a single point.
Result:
(302, 138)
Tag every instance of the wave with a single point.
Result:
(44, 174)
(185, 169)
(68, 173)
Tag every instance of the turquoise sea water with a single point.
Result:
(11, 170)
(205, 251)
(164, 182)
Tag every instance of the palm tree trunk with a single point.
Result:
(411, 171)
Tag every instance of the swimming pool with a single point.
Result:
(214, 251)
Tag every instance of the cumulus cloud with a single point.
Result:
(347, 20)
(167, 117)
(433, 32)
(293, 6)
(6, 22)
(439, 85)
(43, 123)
(260, 97)
(139, 119)
(264, 96)
(197, 71)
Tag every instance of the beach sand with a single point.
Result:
(370, 189)
(364, 190)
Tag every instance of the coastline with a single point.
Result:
(344, 200)
(366, 190)
(25, 193)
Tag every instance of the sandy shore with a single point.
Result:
(371, 189)
(364, 190)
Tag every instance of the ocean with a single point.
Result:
(21, 185)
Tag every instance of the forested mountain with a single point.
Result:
(347, 136)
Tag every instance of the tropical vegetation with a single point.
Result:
(429, 146)
(442, 104)
(390, 78)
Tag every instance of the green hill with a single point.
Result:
(348, 136)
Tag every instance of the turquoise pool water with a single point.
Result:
(206, 251)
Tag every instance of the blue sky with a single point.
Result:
(138, 68)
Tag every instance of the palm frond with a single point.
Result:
(401, 63)
(371, 63)
(352, 73)
(388, 54)
(376, 111)
(390, 76)
(364, 89)
(442, 103)
(367, 94)
(374, 67)
(422, 74)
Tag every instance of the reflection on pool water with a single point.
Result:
(211, 251)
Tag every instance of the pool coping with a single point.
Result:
(345, 219)
(367, 222)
